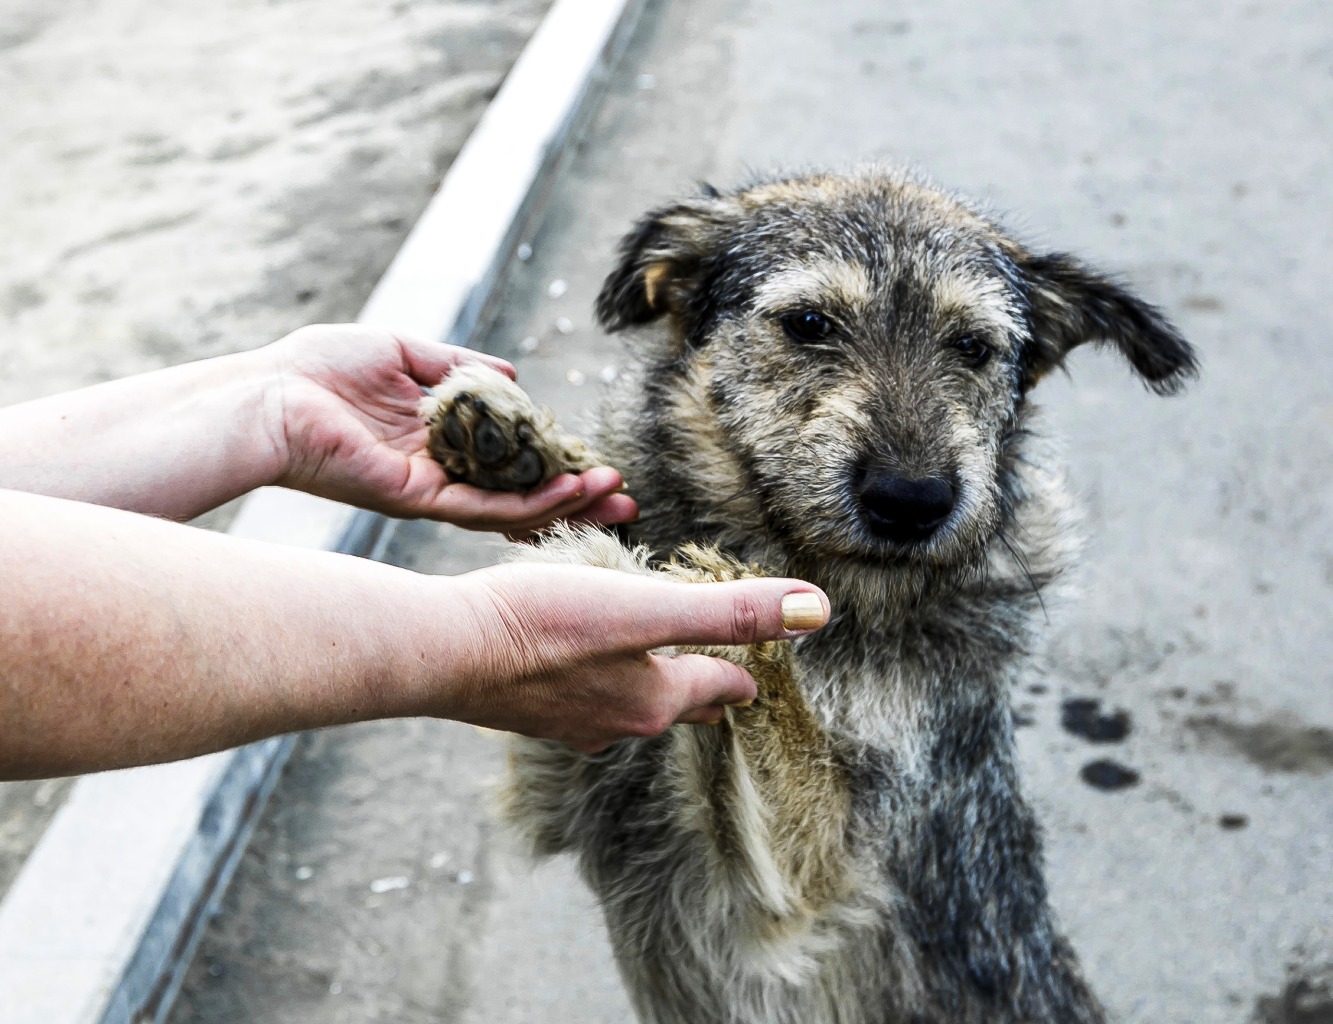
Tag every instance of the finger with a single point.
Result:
(478, 509)
(699, 684)
(601, 502)
(703, 716)
(594, 484)
(601, 480)
(561, 498)
(429, 362)
(739, 612)
(608, 511)
(590, 746)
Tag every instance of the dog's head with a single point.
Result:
(857, 350)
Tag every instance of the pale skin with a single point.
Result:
(128, 639)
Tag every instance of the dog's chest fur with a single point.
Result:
(916, 698)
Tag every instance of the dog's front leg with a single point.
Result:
(764, 793)
(765, 789)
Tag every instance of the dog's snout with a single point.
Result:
(903, 510)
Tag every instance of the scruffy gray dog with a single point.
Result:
(832, 383)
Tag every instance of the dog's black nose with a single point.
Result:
(902, 510)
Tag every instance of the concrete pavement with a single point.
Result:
(1187, 148)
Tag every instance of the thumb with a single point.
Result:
(429, 362)
(740, 612)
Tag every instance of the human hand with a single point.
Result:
(348, 422)
(563, 652)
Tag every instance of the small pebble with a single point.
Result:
(465, 878)
(528, 345)
(1232, 822)
(305, 872)
(439, 860)
(575, 377)
(389, 884)
(45, 792)
(335, 989)
(564, 325)
(608, 374)
(557, 288)
(646, 81)
(523, 252)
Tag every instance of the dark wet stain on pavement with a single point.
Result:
(1274, 744)
(1083, 717)
(1108, 775)
(1303, 1001)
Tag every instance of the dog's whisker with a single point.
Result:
(1023, 565)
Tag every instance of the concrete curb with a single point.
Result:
(103, 920)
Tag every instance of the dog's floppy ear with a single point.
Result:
(662, 262)
(1072, 304)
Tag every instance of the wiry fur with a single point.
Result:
(854, 847)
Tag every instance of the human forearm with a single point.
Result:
(124, 640)
(332, 410)
(172, 443)
(127, 640)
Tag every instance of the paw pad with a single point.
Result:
(486, 431)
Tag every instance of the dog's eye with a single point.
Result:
(973, 350)
(807, 326)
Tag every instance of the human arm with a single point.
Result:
(126, 640)
(329, 409)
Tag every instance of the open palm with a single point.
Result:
(349, 399)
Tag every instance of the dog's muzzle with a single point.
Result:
(901, 509)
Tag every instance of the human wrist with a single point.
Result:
(226, 417)
(262, 381)
(435, 660)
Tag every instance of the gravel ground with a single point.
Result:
(187, 179)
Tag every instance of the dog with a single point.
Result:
(831, 381)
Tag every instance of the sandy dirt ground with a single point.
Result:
(186, 179)
(180, 180)
(1189, 152)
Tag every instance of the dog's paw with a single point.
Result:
(485, 430)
